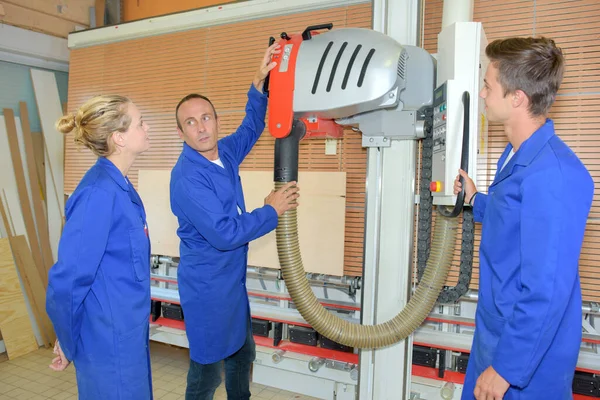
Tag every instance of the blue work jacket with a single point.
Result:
(214, 239)
(528, 319)
(98, 294)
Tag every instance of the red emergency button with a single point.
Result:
(435, 186)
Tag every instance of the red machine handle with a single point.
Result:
(281, 87)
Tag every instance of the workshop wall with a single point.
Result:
(219, 62)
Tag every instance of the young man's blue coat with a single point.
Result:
(528, 321)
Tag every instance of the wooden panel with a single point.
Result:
(134, 9)
(14, 320)
(576, 112)
(24, 199)
(36, 21)
(34, 287)
(194, 61)
(6, 229)
(153, 188)
(70, 10)
(320, 217)
(100, 7)
(35, 191)
(320, 220)
(49, 107)
(40, 163)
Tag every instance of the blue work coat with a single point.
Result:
(528, 319)
(98, 294)
(214, 239)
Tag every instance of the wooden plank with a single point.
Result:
(76, 11)
(35, 21)
(49, 107)
(15, 325)
(8, 233)
(40, 164)
(9, 184)
(38, 204)
(11, 130)
(6, 225)
(34, 287)
(100, 6)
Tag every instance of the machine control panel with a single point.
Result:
(461, 62)
(439, 119)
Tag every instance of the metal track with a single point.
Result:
(448, 294)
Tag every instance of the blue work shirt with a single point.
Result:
(214, 239)
(528, 319)
(98, 294)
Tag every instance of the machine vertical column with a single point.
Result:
(385, 373)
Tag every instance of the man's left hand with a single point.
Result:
(490, 385)
(265, 66)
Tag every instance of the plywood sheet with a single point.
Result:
(48, 102)
(15, 325)
(34, 287)
(320, 220)
(321, 217)
(153, 188)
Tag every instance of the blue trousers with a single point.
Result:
(204, 379)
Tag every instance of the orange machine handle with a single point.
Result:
(281, 87)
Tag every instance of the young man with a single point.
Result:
(215, 229)
(528, 320)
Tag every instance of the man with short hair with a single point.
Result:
(215, 229)
(528, 319)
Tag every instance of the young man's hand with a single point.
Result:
(266, 66)
(470, 188)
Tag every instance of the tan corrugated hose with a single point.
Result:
(356, 335)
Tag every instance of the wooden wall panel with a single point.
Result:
(134, 9)
(219, 62)
(575, 27)
(202, 61)
(52, 17)
(17, 331)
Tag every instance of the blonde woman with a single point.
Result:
(99, 290)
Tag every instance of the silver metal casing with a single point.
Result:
(349, 71)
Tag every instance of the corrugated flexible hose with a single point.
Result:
(356, 335)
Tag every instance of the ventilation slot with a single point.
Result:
(318, 76)
(402, 66)
(350, 64)
(363, 71)
(335, 65)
